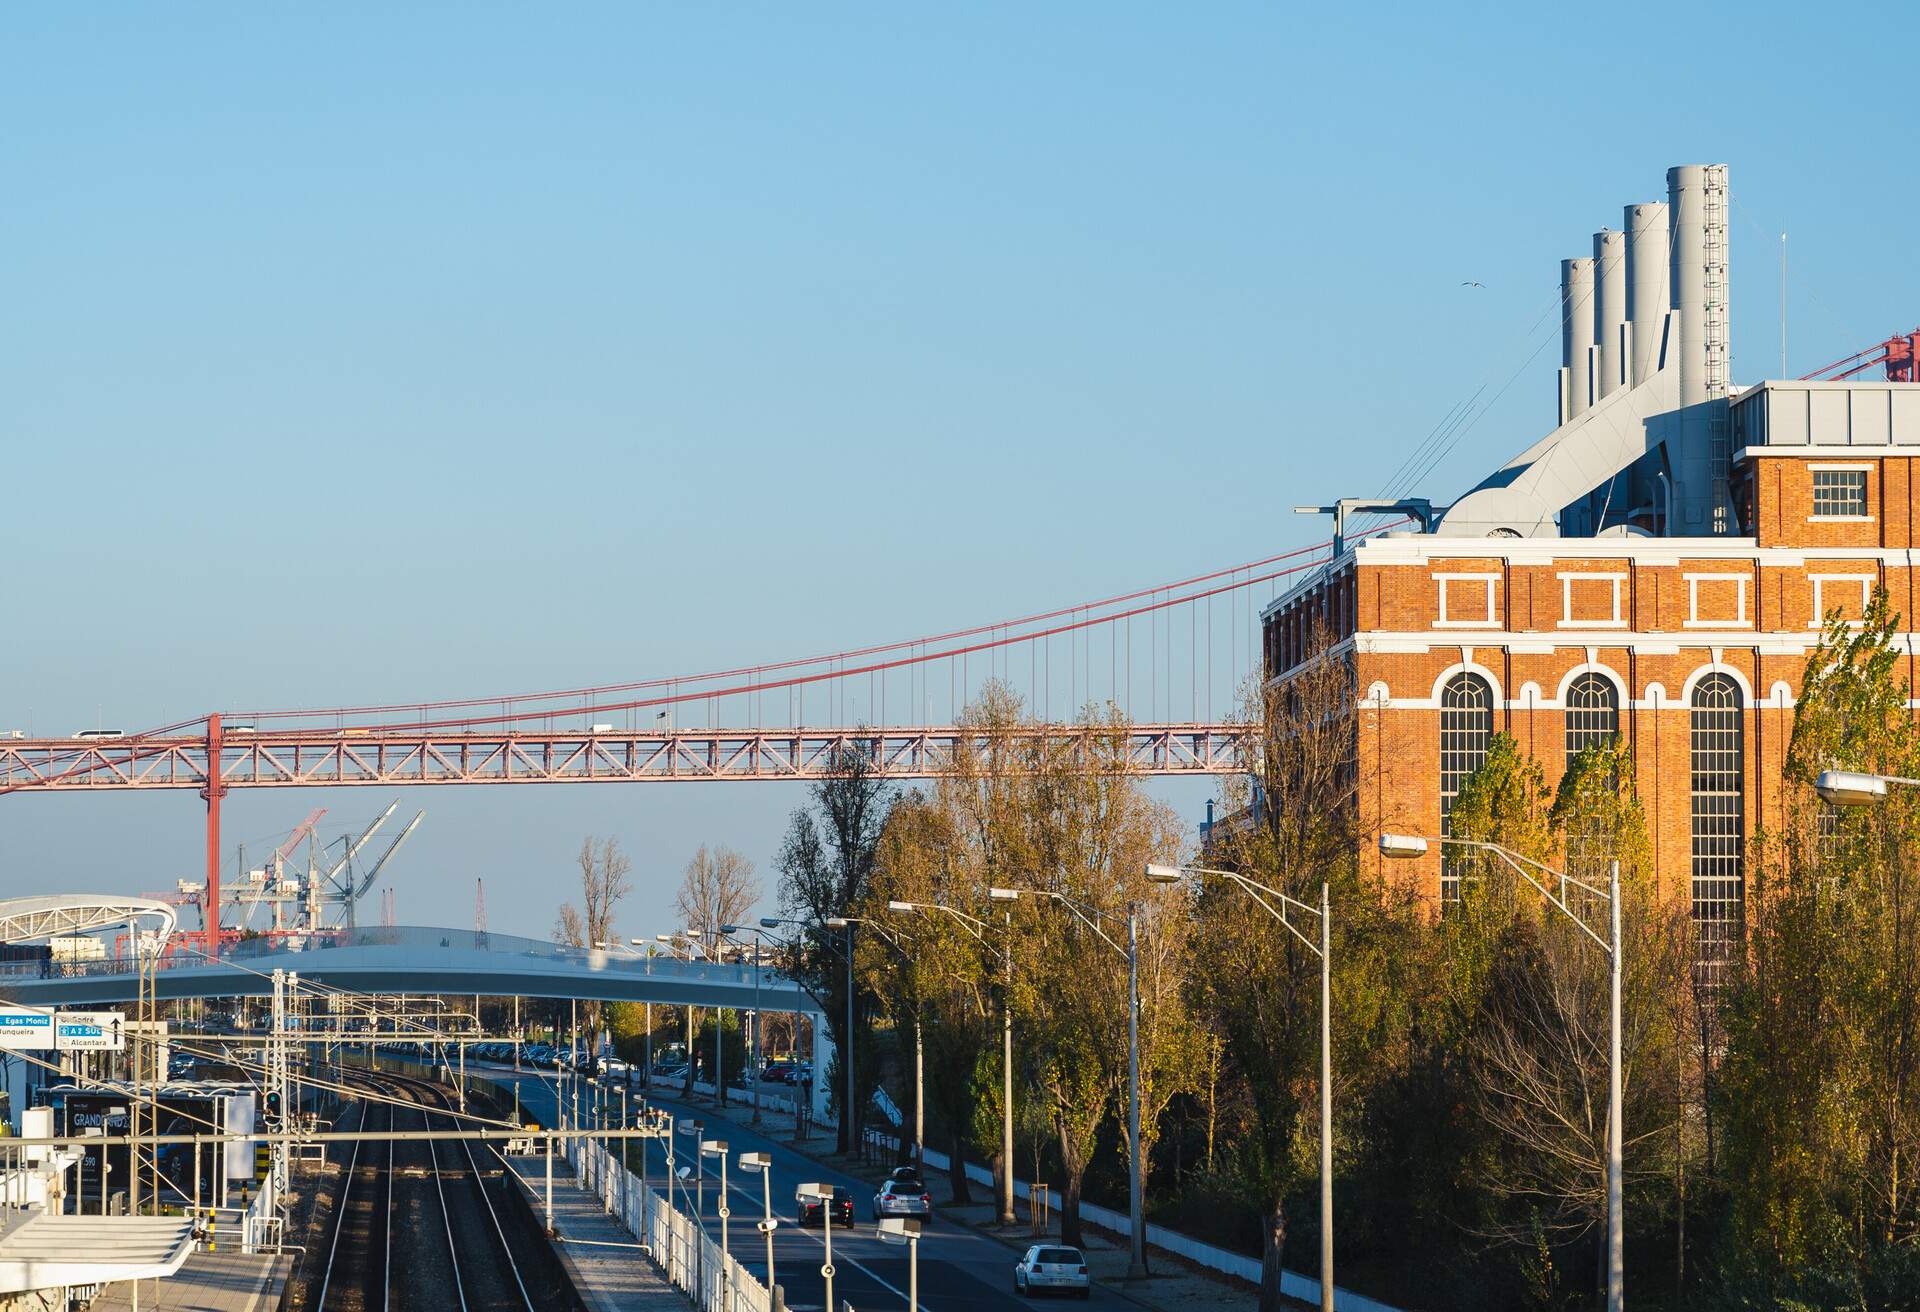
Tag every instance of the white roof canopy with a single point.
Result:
(23, 919)
(46, 1252)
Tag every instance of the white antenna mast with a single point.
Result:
(1783, 305)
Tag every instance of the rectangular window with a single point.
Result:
(1839, 493)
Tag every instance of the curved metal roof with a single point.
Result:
(23, 919)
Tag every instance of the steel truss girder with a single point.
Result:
(346, 758)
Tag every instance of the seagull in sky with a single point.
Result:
(1471, 283)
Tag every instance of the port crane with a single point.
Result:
(316, 898)
(1900, 354)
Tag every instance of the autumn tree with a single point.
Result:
(1254, 984)
(826, 864)
(1084, 836)
(1820, 1087)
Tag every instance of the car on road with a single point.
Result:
(903, 1195)
(1052, 1269)
(813, 1209)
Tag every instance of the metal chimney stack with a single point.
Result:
(1576, 337)
(1697, 205)
(1610, 310)
(1648, 280)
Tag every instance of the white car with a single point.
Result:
(1052, 1268)
(903, 1195)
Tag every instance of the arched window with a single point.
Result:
(1718, 750)
(1593, 713)
(1466, 730)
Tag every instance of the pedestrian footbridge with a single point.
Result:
(412, 959)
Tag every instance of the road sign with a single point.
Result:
(23, 1027)
(88, 1031)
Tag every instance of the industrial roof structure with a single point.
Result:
(25, 919)
(38, 1251)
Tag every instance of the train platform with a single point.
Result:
(608, 1268)
(208, 1282)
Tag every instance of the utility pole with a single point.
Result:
(1616, 1241)
(1137, 1247)
(1006, 1077)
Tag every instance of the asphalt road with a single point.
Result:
(961, 1270)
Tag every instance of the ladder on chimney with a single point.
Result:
(1715, 320)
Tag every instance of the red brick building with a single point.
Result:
(1666, 588)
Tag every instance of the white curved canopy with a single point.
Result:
(24, 919)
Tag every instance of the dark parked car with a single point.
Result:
(812, 1209)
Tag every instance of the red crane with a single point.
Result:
(1900, 354)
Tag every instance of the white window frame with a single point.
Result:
(1693, 620)
(1486, 620)
(1866, 582)
(1866, 490)
(1566, 600)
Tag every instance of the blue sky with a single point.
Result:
(416, 351)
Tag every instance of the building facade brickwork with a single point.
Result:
(1691, 649)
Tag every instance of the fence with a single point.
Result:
(685, 1254)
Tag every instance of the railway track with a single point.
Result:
(360, 1247)
(429, 1224)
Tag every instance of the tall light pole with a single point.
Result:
(978, 928)
(846, 1058)
(754, 1059)
(646, 1078)
(718, 1148)
(1090, 917)
(673, 941)
(763, 1163)
(824, 1194)
(904, 1230)
(892, 940)
(1278, 905)
(1409, 846)
(845, 925)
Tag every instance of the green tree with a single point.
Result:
(826, 863)
(1820, 1088)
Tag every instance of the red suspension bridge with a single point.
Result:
(1171, 658)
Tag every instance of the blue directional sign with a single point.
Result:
(23, 1027)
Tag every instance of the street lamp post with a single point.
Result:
(846, 1058)
(718, 1148)
(672, 941)
(755, 1062)
(646, 1078)
(824, 1194)
(978, 928)
(763, 1163)
(1090, 917)
(1277, 905)
(893, 940)
(1408, 846)
(1854, 788)
(845, 925)
(904, 1230)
